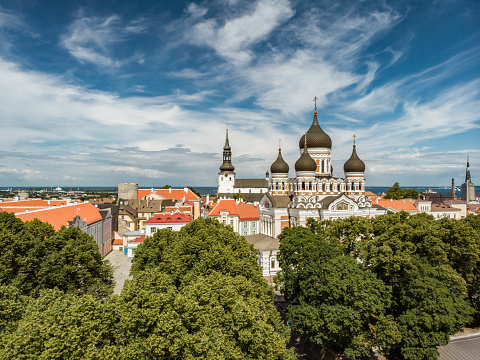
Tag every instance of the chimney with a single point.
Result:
(185, 190)
(453, 188)
(169, 190)
(208, 199)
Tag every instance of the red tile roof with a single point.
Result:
(118, 242)
(247, 212)
(138, 240)
(169, 218)
(177, 194)
(405, 204)
(61, 215)
(242, 210)
(225, 205)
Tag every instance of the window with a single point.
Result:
(253, 232)
(231, 222)
(153, 229)
(245, 225)
(244, 233)
(169, 228)
(273, 263)
(254, 224)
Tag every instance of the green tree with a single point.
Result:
(335, 303)
(396, 192)
(199, 248)
(18, 261)
(39, 230)
(194, 191)
(429, 300)
(150, 253)
(74, 264)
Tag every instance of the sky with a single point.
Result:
(96, 93)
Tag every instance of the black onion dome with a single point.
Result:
(227, 166)
(306, 163)
(354, 164)
(279, 166)
(316, 137)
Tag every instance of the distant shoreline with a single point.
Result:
(211, 190)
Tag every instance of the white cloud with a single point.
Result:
(233, 39)
(92, 39)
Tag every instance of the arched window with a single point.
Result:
(283, 186)
(303, 185)
(276, 186)
(323, 166)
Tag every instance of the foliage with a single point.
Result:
(194, 191)
(238, 196)
(166, 187)
(199, 248)
(210, 311)
(396, 192)
(34, 257)
(429, 269)
(335, 303)
(149, 254)
(74, 264)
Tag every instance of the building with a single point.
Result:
(174, 221)
(468, 187)
(84, 215)
(251, 190)
(243, 218)
(140, 205)
(314, 192)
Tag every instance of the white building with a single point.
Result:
(174, 221)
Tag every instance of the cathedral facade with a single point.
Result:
(313, 193)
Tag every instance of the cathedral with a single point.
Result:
(313, 192)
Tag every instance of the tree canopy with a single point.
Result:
(35, 257)
(396, 192)
(425, 273)
(208, 302)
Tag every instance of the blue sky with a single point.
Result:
(103, 92)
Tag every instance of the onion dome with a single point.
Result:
(305, 162)
(354, 164)
(317, 138)
(227, 156)
(279, 166)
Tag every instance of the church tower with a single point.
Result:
(354, 169)
(319, 147)
(468, 187)
(226, 176)
(279, 171)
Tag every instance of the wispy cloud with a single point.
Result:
(92, 39)
(233, 39)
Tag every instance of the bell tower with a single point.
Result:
(226, 176)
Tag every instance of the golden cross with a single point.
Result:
(315, 99)
(279, 144)
(354, 136)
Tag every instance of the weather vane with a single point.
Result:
(315, 99)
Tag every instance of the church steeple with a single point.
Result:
(227, 156)
(468, 177)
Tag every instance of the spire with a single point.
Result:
(227, 156)
(468, 177)
(227, 144)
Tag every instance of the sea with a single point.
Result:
(212, 190)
